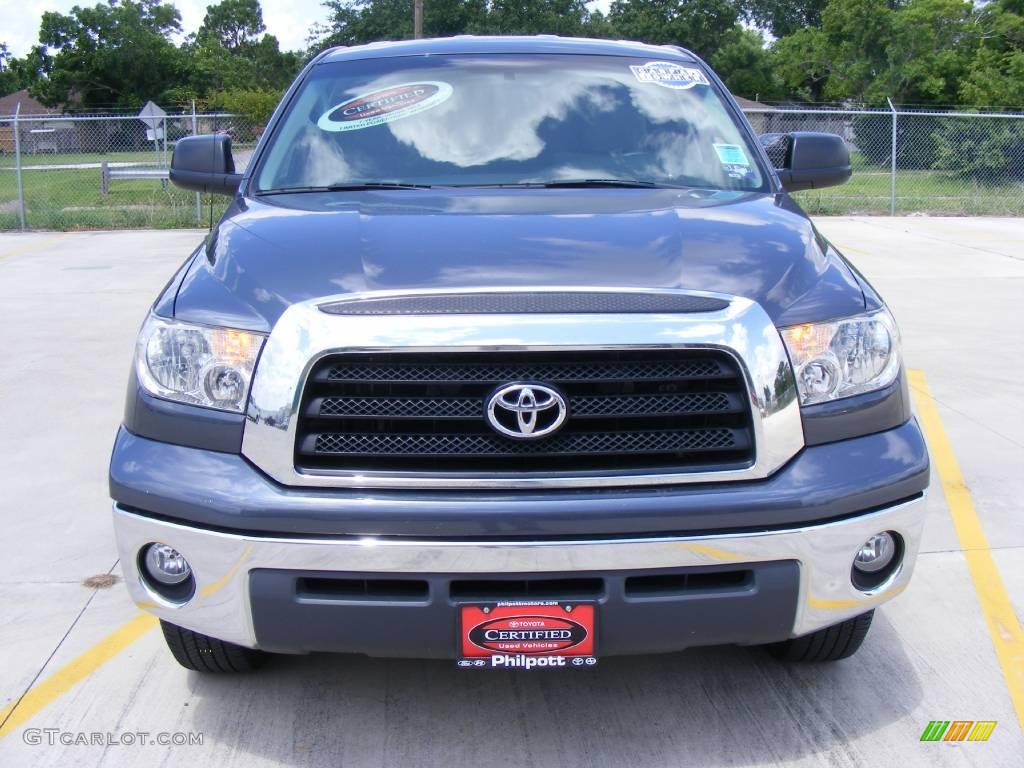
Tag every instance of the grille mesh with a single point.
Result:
(433, 407)
(661, 410)
(580, 443)
(439, 407)
(497, 372)
(632, 405)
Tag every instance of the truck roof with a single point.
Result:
(495, 44)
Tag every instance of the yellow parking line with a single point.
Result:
(72, 673)
(33, 246)
(1003, 626)
(851, 249)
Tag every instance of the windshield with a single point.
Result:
(507, 120)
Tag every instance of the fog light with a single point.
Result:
(875, 553)
(166, 565)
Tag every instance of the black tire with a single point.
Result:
(208, 654)
(839, 641)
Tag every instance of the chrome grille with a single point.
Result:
(628, 409)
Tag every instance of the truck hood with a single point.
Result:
(269, 253)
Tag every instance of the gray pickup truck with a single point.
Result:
(515, 352)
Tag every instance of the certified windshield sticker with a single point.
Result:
(384, 106)
(669, 75)
(731, 154)
(733, 159)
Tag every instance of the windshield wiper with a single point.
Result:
(354, 186)
(289, 190)
(357, 186)
(578, 183)
(582, 183)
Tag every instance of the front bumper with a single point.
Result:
(800, 582)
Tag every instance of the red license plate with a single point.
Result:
(527, 635)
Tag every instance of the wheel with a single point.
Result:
(208, 654)
(839, 641)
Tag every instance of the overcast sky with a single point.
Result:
(288, 20)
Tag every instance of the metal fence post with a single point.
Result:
(892, 161)
(195, 132)
(17, 167)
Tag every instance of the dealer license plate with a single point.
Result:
(526, 635)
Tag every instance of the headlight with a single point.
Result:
(196, 364)
(844, 357)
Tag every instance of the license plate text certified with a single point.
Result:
(526, 635)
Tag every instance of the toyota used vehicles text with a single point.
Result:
(515, 352)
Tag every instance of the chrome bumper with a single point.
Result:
(221, 562)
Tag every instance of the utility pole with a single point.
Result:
(417, 19)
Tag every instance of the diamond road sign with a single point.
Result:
(152, 115)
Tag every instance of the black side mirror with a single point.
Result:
(806, 160)
(205, 164)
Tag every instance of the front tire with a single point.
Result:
(202, 653)
(839, 641)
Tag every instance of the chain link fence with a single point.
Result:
(105, 171)
(110, 171)
(939, 163)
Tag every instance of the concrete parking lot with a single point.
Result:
(79, 658)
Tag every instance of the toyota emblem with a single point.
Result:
(526, 411)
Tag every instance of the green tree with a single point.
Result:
(229, 52)
(745, 65)
(784, 17)
(868, 50)
(364, 21)
(113, 55)
(995, 77)
(10, 81)
(803, 64)
(856, 35)
(253, 107)
(32, 66)
(927, 52)
(979, 150)
(234, 24)
(532, 17)
(700, 25)
(276, 68)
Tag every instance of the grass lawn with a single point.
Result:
(71, 199)
(934, 192)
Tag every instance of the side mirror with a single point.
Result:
(204, 164)
(806, 160)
